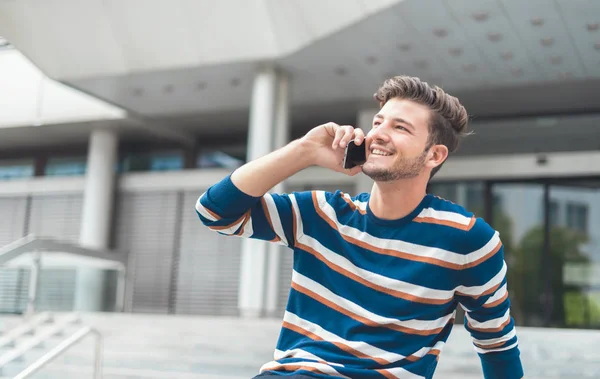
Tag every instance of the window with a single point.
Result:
(215, 159)
(577, 217)
(71, 166)
(554, 213)
(16, 169)
(158, 161)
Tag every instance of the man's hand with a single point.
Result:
(328, 142)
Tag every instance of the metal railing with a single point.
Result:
(63, 347)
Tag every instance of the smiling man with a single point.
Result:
(377, 277)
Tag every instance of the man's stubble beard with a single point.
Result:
(403, 168)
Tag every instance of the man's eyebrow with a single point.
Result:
(397, 119)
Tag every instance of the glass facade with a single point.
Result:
(15, 169)
(71, 166)
(551, 235)
(158, 161)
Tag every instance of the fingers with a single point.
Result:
(359, 136)
(344, 134)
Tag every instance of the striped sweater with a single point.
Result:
(375, 298)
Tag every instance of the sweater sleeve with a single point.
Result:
(484, 297)
(227, 210)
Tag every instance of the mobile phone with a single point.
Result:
(355, 155)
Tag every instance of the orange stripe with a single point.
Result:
(352, 205)
(399, 254)
(485, 257)
(227, 226)
(211, 212)
(389, 252)
(241, 229)
(340, 345)
(387, 374)
(414, 358)
(296, 368)
(268, 215)
(359, 318)
(489, 291)
(498, 329)
(492, 346)
(497, 302)
(364, 282)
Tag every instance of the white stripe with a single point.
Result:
(360, 346)
(380, 243)
(360, 311)
(202, 210)
(299, 228)
(445, 216)
(248, 230)
(362, 205)
(485, 250)
(302, 354)
(375, 278)
(494, 323)
(507, 337)
(319, 366)
(229, 231)
(401, 373)
(485, 351)
(478, 290)
(275, 219)
(425, 350)
(498, 295)
(402, 246)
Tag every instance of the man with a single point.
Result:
(377, 277)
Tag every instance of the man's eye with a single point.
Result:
(400, 127)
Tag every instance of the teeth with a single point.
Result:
(379, 152)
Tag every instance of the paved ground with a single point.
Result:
(158, 346)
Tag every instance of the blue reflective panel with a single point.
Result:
(16, 171)
(218, 159)
(65, 167)
(166, 162)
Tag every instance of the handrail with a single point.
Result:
(25, 328)
(11, 355)
(61, 348)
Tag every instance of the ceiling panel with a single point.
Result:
(542, 29)
(582, 20)
(488, 28)
(442, 32)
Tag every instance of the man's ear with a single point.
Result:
(437, 155)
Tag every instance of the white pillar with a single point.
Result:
(364, 120)
(97, 215)
(281, 138)
(260, 142)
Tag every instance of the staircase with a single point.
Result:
(140, 346)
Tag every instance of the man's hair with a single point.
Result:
(449, 119)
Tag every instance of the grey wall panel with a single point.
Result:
(208, 268)
(57, 216)
(14, 218)
(146, 228)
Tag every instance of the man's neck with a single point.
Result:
(396, 199)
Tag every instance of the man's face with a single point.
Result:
(397, 142)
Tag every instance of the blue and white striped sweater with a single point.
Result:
(375, 298)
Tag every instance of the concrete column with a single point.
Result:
(260, 141)
(281, 138)
(364, 120)
(97, 215)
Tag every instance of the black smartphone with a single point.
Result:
(355, 155)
